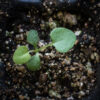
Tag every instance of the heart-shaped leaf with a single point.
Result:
(63, 39)
(33, 37)
(21, 55)
(34, 63)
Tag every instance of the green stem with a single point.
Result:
(35, 47)
(42, 48)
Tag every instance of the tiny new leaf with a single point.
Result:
(33, 37)
(34, 63)
(63, 39)
(21, 55)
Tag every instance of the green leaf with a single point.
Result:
(63, 39)
(21, 55)
(33, 37)
(34, 63)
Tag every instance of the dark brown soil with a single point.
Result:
(62, 76)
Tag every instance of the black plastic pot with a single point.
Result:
(95, 94)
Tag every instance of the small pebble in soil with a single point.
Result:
(77, 33)
(52, 24)
(70, 98)
(70, 19)
(54, 94)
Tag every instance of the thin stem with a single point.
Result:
(42, 48)
(35, 46)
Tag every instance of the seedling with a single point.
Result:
(62, 39)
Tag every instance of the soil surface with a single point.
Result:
(71, 75)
